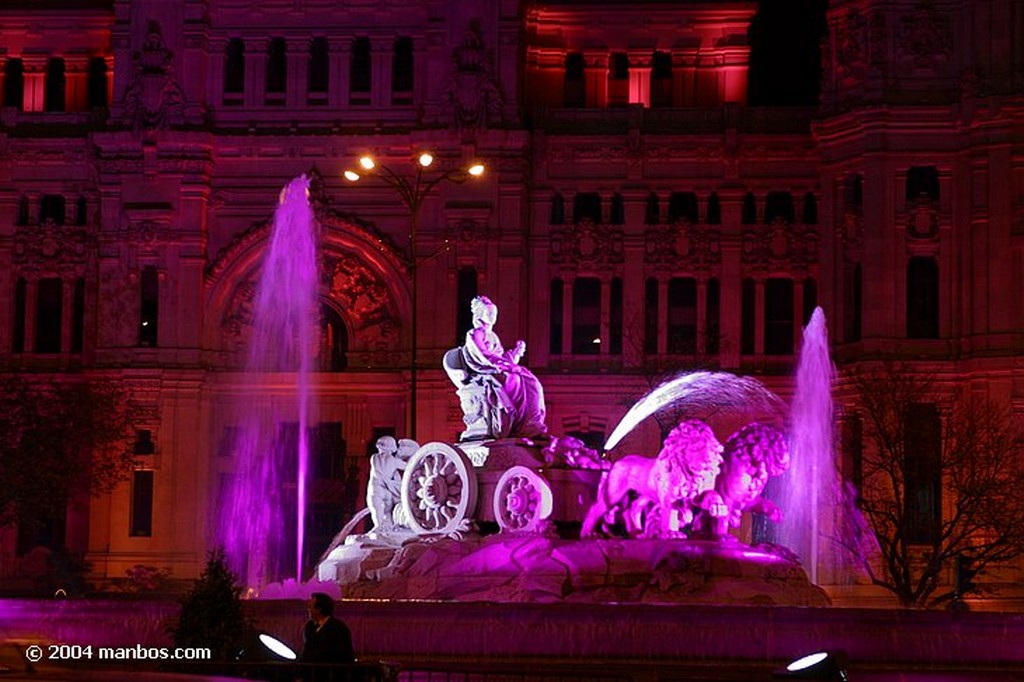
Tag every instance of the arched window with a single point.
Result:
(682, 206)
(361, 74)
(586, 316)
(853, 191)
(652, 210)
(333, 340)
(234, 67)
(49, 314)
(56, 85)
(778, 316)
(575, 88)
(618, 212)
(96, 86)
(555, 321)
(712, 317)
(319, 68)
(682, 316)
(586, 206)
(14, 84)
(852, 315)
(81, 211)
(779, 206)
(749, 216)
(748, 316)
(149, 306)
(810, 212)
(922, 447)
(651, 316)
(557, 209)
(466, 291)
(402, 70)
(615, 318)
(661, 80)
(277, 68)
(714, 214)
(18, 337)
(922, 298)
(922, 183)
(52, 208)
(810, 298)
(24, 210)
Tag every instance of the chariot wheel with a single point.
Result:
(439, 489)
(522, 500)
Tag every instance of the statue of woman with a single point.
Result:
(484, 354)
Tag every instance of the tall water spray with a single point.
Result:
(810, 494)
(272, 460)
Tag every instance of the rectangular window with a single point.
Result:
(96, 88)
(402, 66)
(778, 317)
(56, 86)
(18, 342)
(141, 523)
(682, 316)
(682, 206)
(49, 314)
(712, 318)
(277, 70)
(78, 316)
(149, 294)
(922, 472)
(361, 73)
(319, 69)
(615, 318)
(810, 298)
(52, 209)
(748, 315)
(466, 292)
(557, 311)
(14, 84)
(586, 316)
(234, 71)
(575, 85)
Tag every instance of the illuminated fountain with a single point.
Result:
(575, 526)
(257, 515)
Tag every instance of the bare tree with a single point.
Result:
(58, 441)
(919, 449)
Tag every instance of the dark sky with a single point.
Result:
(785, 63)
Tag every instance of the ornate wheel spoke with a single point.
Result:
(439, 488)
(522, 500)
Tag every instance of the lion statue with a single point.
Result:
(656, 496)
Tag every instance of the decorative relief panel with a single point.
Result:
(849, 36)
(154, 99)
(925, 39)
(473, 98)
(693, 247)
(780, 246)
(850, 230)
(586, 246)
(363, 295)
(119, 307)
(922, 222)
(51, 247)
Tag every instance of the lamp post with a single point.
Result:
(413, 189)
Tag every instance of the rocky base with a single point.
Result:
(510, 568)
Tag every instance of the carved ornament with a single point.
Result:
(48, 246)
(780, 245)
(473, 98)
(692, 247)
(925, 39)
(154, 99)
(586, 246)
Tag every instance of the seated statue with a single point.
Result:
(384, 488)
(751, 456)
(499, 397)
(655, 497)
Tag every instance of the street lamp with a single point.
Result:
(413, 189)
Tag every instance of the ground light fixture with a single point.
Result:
(277, 647)
(821, 665)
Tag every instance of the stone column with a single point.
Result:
(606, 310)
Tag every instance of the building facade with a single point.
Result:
(637, 215)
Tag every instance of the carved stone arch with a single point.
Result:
(361, 275)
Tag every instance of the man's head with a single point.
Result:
(320, 605)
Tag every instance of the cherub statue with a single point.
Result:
(656, 496)
(751, 456)
(384, 489)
